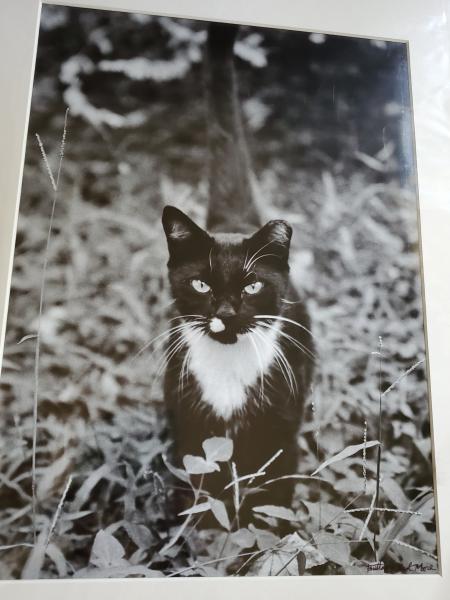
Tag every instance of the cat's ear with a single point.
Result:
(184, 237)
(272, 240)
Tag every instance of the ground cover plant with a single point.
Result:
(86, 479)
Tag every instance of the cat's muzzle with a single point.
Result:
(225, 330)
(216, 325)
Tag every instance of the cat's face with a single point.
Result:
(224, 280)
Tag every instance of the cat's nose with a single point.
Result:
(225, 310)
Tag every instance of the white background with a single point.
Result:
(424, 25)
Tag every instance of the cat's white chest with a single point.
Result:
(225, 372)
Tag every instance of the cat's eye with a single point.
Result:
(200, 286)
(253, 288)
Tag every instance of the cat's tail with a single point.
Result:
(231, 203)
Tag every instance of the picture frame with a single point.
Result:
(424, 28)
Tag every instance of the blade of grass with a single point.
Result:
(55, 185)
(377, 490)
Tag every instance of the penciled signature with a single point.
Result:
(421, 567)
(375, 568)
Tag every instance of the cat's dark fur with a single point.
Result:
(234, 252)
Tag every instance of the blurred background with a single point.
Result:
(329, 125)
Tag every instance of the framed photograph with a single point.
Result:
(224, 339)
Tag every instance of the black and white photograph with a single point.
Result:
(215, 357)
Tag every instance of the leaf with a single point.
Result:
(197, 465)
(243, 538)
(370, 162)
(109, 386)
(107, 551)
(73, 516)
(218, 449)
(35, 560)
(179, 473)
(264, 539)
(272, 562)
(301, 562)
(395, 493)
(30, 336)
(139, 533)
(88, 485)
(393, 530)
(294, 542)
(220, 512)
(333, 547)
(324, 513)
(196, 508)
(58, 559)
(345, 453)
(279, 512)
(52, 474)
(118, 571)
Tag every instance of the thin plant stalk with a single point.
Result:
(55, 185)
(176, 537)
(377, 490)
(317, 449)
(365, 456)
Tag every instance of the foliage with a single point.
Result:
(104, 483)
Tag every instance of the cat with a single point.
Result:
(240, 357)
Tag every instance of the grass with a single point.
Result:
(54, 185)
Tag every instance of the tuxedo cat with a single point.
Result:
(240, 358)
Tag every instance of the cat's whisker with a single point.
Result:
(285, 319)
(163, 361)
(175, 345)
(287, 370)
(171, 351)
(184, 372)
(247, 262)
(198, 317)
(182, 375)
(259, 258)
(261, 367)
(283, 363)
(210, 259)
(291, 380)
(291, 339)
(285, 373)
(251, 273)
(161, 337)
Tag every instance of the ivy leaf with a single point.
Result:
(196, 465)
(218, 449)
